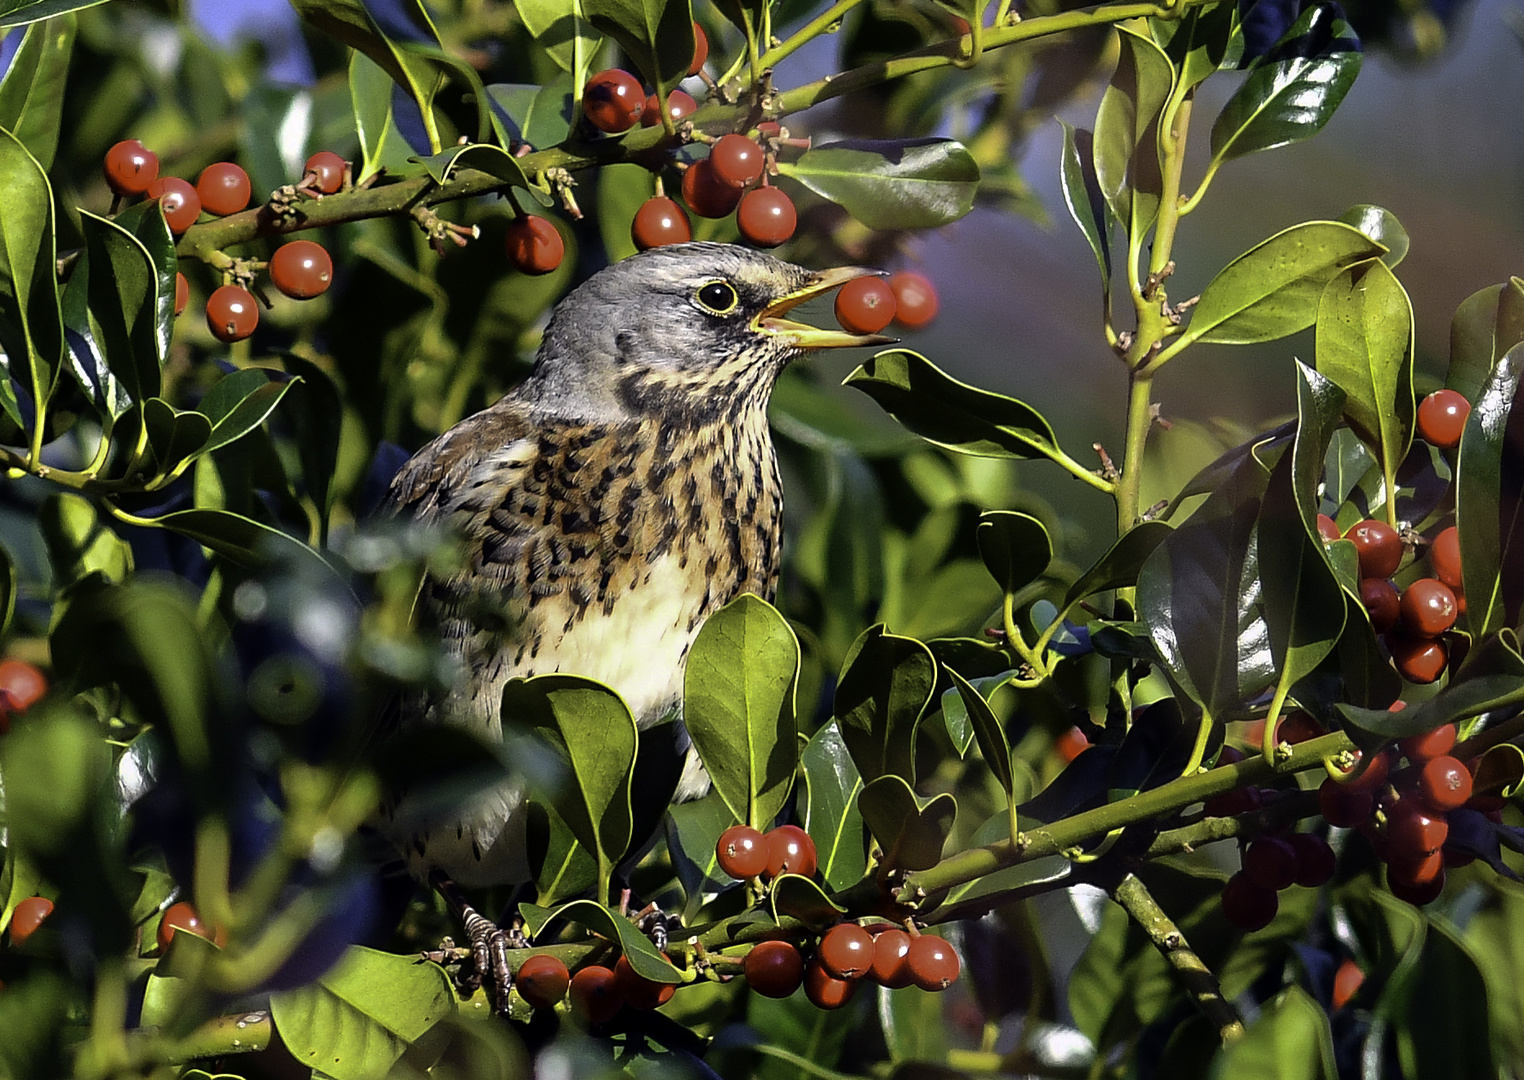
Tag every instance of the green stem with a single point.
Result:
(1169, 198)
(808, 32)
(1139, 419)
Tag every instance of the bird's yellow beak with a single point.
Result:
(803, 336)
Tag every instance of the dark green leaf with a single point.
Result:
(910, 831)
(31, 326)
(1496, 939)
(318, 408)
(993, 746)
(1445, 1029)
(1273, 290)
(79, 543)
(31, 95)
(1126, 131)
(891, 184)
(800, 898)
(1118, 568)
(382, 146)
(1202, 41)
(1382, 226)
(1015, 547)
(22, 12)
(1290, 1040)
(886, 683)
(591, 730)
(239, 402)
(1487, 500)
(563, 869)
(1491, 678)
(7, 599)
(484, 157)
(643, 956)
(1293, 90)
(245, 541)
(1082, 194)
(738, 703)
(831, 817)
(543, 116)
(562, 30)
(657, 35)
(693, 830)
(1486, 325)
(123, 303)
(1011, 879)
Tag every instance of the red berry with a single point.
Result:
(865, 305)
(594, 996)
(846, 951)
(933, 962)
(1375, 773)
(1428, 607)
(700, 49)
(1247, 905)
(1070, 745)
(638, 991)
(1297, 727)
(1412, 831)
(130, 168)
(1270, 863)
(766, 217)
(824, 990)
(659, 222)
(790, 851)
(705, 195)
(1328, 529)
(327, 170)
(223, 189)
(541, 981)
(1346, 982)
(179, 201)
(915, 299)
(1415, 870)
(1378, 546)
(1429, 745)
(1444, 783)
(182, 292)
(182, 916)
(890, 948)
(231, 313)
(1418, 895)
(1419, 660)
(23, 682)
(736, 160)
(1315, 860)
(613, 100)
(27, 916)
(1445, 557)
(1232, 803)
(1381, 601)
(301, 269)
(1341, 807)
(742, 852)
(534, 244)
(1442, 417)
(773, 969)
(680, 105)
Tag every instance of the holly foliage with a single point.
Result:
(192, 555)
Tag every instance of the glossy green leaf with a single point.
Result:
(1290, 1040)
(1273, 290)
(1365, 347)
(562, 30)
(247, 542)
(1126, 130)
(1499, 771)
(1491, 678)
(1004, 885)
(563, 869)
(1202, 41)
(738, 703)
(359, 1018)
(79, 543)
(541, 115)
(910, 831)
(797, 897)
(1015, 547)
(643, 956)
(484, 157)
(31, 326)
(915, 1029)
(988, 731)
(123, 301)
(891, 184)
(831, 817)
(693, 830)
(32, 92)
(658, 36)
(1486, 500)
(22, 12)
(1382, 226)
(382, 146)
(239, 402)
(1118, 568)
(1293, 90)
(1495, 936)
(1445, 1029)
(950, 413)
(1082, 195)
(317, 406)
(886, 683)
(589, 727)
(1486, 325)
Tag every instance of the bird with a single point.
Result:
(606, 506)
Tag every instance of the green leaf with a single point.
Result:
(1492, 677)
(7, 597)
(31, 326)
(1118, 568)
(891, 184)
(1293, 90)
(1365, 347)
(1499, 771)
(1289, 1040)
(318, 409)
(657, 35)
(910, 831)
(886, 683)
(1495, 935)
(993, 746)
(79, 543)
(483, 157)
(1005, 883)
(239, 402)
(22, 12)
(32, 92)
(637, 948)
(1015, 547)
(738, 703)
(543, 115)
(1382, 226)
(1487, 503)
(950, 413)
(800, 898)
(562, 30)
(693, 831)
(244, 540)
(589, 727)
(356, 1021)
(1201, 42)
(382, 145)
(1486, 325)
(1445, 1030)
(1126, 131)
(1273, 290)
(1082, 194)
(123, 303)
(831, 817)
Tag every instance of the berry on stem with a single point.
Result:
(865, 305)
(773, 968)
(326, 170)
(638, 991)
(737, 161)
(1328, 529)
(542, 981)
(1315, 860)
(182, 292)
(890, 948)
(680, 105)
(700, 50)
(1346, 984)
(1413, 831)
(183, 916)
(223, 189)
(1378, 546)
(1419, 660)
(594, 996)
(915, 299)
(846, 951)
(23, 683)
(1270, 863)
(1444, 783)
(613, 100)
(1417, 895)
(27, 916)
(742, 852)
(1428, 607)
(933, 963)
(301, 269)
(824, 990)
(534, 244)
(1246, 905)
(130, 168)
(766, 217)
(659, 222)
(179, 201)
(1445, 557)
(1442, 417)
(1429, 745)
(705, 195)
(231, 313)
(1341, 807)
(790, 851)
(1381, 602)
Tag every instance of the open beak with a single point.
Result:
(803, 336)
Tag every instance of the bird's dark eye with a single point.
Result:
(718, 296)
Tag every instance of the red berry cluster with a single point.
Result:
(745, 853)
(848, 954)
(1271, 864)
(1403, 810)
(866, 305)
(597, 992)
(614, 101)
(22, 685)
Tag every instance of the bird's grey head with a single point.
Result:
(681, 330)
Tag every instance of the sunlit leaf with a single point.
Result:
(1082, 194)
(911, 831)
(1126, 130)
(1486, 325)
(887, 184)
(31, 326)
(1488, 500)
(32, 92)
(886, 683)
(658, 36)
(1382, 226)
(1119, 567)
(562, 30)
(831, 817)
(1290, 1040)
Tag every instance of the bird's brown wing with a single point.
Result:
(428, 487)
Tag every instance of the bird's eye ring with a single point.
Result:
(718, 297)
